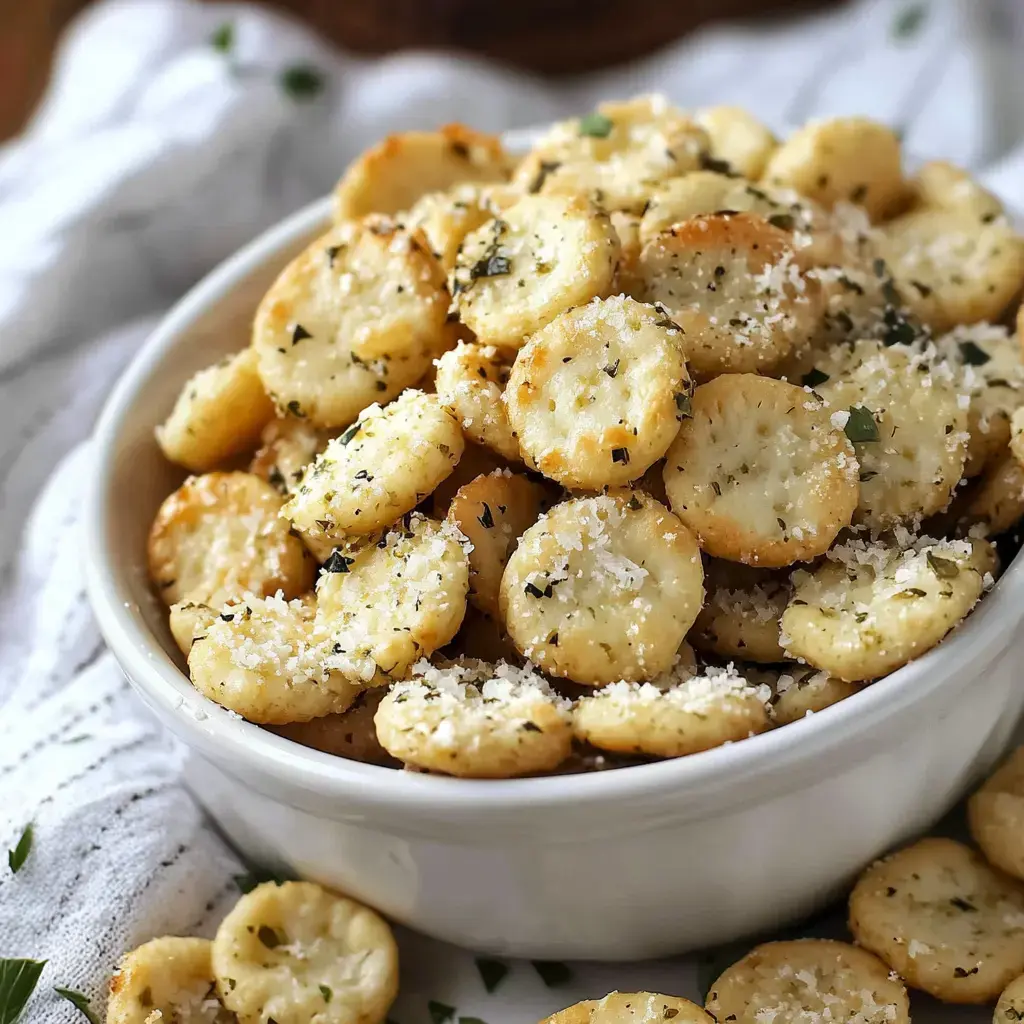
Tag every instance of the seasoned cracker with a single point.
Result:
(1010, 1007)
(996, 816)
(295, 952)
(740, 617)
(616, 154)
(845, 159)
(906, 413)
(631, 1008)
(166, 979)
(188, 620)
(871, 607)
(393, 174)
(219, 413)
(760, 473)
(475, 720)
(219, 536)
(493, 512)
(733, 284)
(383, 466)
(674, 714)
(799, 691)
(266, 660)
(353, 319)
(542, 256)
(940, 917)
(809, 980)
(287, 446)
(602, 589)
(596, 397)
(386, 603)
(737, 139)
(471, 379)
(954, 265)
(996, 500)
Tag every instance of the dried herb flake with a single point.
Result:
(861, 426)
(596, 126)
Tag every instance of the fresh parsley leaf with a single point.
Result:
(18, 980)
(552, 972)
(302, 82)
(18, 856)
(79, 1002)
(223, 38)
(440, 1013)
(972, 354)
(909, 22)
(597, 126)
(492, 972)
(326, 992)
(861, 425)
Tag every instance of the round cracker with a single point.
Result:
(219, 536)
(493, 512)
(799, 691)
(295, 952)
(631, 1008)
(945, 186)
(809, 980)
(596, 397)
(394, 173)
(602, 589)
(741, 615)
(734, 285)
(675, 714)
(940, 917)
(188, 620)
(476, 720)
(904, 410)
(991, 371)
(287, 446)
(954, 265)
(353, 319)
(1010, 1007)
(266, 660)
(542, 256)
(219, 413)
(844, 159)
(995, 813)
(383, 466)
(385, 603)
(470, 381)
(165, 979)
(759, 472)
(615, 155)
(445, 218)
(871, 607)
(737, 139)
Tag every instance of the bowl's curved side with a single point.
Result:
(132, 478)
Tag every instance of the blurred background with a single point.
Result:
(531, 34)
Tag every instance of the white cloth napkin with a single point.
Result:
(173, 132)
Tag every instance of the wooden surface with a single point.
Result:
(550, 36)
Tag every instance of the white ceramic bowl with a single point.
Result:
(623, 864)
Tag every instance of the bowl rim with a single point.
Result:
(845, 732)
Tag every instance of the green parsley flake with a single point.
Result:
(944, 568)
(861, 425)
(492, 972)
(440, 1013)
(326, 992)
(596, 126)
(552, 972)
(79, 1002)
(223, 38)
(302, 82)
(17, 856)
(814, 377)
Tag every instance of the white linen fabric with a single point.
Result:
(173, 132)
